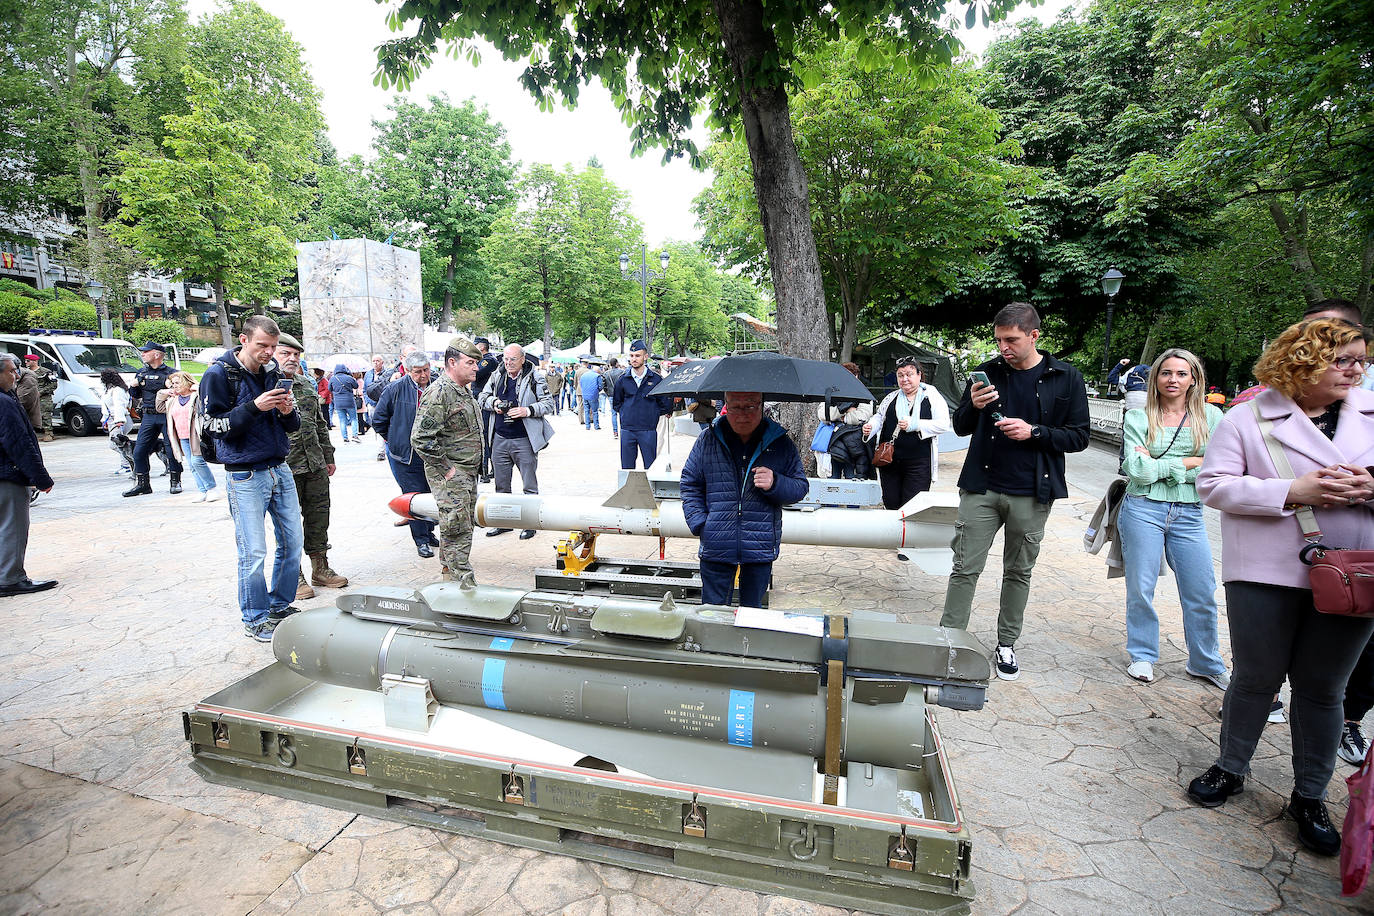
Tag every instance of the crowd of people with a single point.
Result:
(1292, 459)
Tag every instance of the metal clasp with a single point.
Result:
(513, 787)
(357, 759)
(694, 821)
(901, 856)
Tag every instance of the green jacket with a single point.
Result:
(448, 428)
(311, 449)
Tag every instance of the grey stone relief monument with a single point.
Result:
(358, 296)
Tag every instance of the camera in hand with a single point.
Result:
(502, 406)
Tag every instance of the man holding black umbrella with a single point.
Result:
(740, 474)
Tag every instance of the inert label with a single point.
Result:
(741, 718)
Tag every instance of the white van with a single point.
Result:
(77, 357)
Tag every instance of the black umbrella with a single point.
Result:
(778, 377)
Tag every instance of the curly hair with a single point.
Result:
(1296, 360)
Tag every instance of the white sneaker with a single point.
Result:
(1007, 669)
(211, 496)
(199, 499)
(1141, 671)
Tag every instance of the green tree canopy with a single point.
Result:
(909, 184)
(204, 207)
(444, 174)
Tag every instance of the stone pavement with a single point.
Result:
(1072, 776)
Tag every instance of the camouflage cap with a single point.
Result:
(465, 347)
(286, 340)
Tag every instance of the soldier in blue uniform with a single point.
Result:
(152, 431)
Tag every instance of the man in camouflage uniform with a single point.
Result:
(448, 438)
(311, 460)
(47, 387)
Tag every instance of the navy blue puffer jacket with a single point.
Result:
(736, 521)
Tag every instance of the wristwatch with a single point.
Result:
(1037, 432)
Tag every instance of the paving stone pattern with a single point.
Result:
(1072, 776)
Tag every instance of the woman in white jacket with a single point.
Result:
(911, 418)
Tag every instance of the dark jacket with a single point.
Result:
(636, 404)
(1063, 415)
(248, 438)
(342, 384)
(20, 460)
(147, 383)
(736, 521)
(1130, 378)
(395, 410)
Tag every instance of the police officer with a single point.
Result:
(448, 438)
(47, 387)
(311, 460)
(152, 431)
(487, 363)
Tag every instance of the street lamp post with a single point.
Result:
(1111, 285)
(96, 290)
(643, 275)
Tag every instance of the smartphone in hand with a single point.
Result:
(284, 384)
(981, 378)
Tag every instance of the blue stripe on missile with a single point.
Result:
(742, 718)
(494, 675)
(493, 683)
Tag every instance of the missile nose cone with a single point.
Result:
(292, 638)
(401, 505)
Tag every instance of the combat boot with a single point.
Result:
(175, 488)
(303, 589)
(321, 574)
(140, 487)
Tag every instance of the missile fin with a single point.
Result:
(635, 494)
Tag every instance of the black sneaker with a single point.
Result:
(1215, 786)
(1314, 825)
(1007, 668)
(279, 615)
(261, 631)
(1353, 746)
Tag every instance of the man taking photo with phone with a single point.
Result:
(1020, 426)
(250, 412)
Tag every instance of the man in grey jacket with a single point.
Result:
(519, 400)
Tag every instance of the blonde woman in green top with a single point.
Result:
(1161, 515)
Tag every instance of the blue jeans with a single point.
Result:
(347, 417)
(615, 421)
(205, 478)
(254, 495)
(591, 410)
(1149, 529)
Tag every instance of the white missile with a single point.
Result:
(921, 530)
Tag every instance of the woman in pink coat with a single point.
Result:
(1325, 425)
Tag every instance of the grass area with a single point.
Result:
(196, 369)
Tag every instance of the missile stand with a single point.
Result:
(790, 753)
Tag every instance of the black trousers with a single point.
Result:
(152, 433)
(902, 480)
(1359, 690)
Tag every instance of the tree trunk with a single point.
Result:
(1362, 294)
(1295, 248)
(781, 189)
(591, 335)
(624, 323)
(226, 331)
(446, 312)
